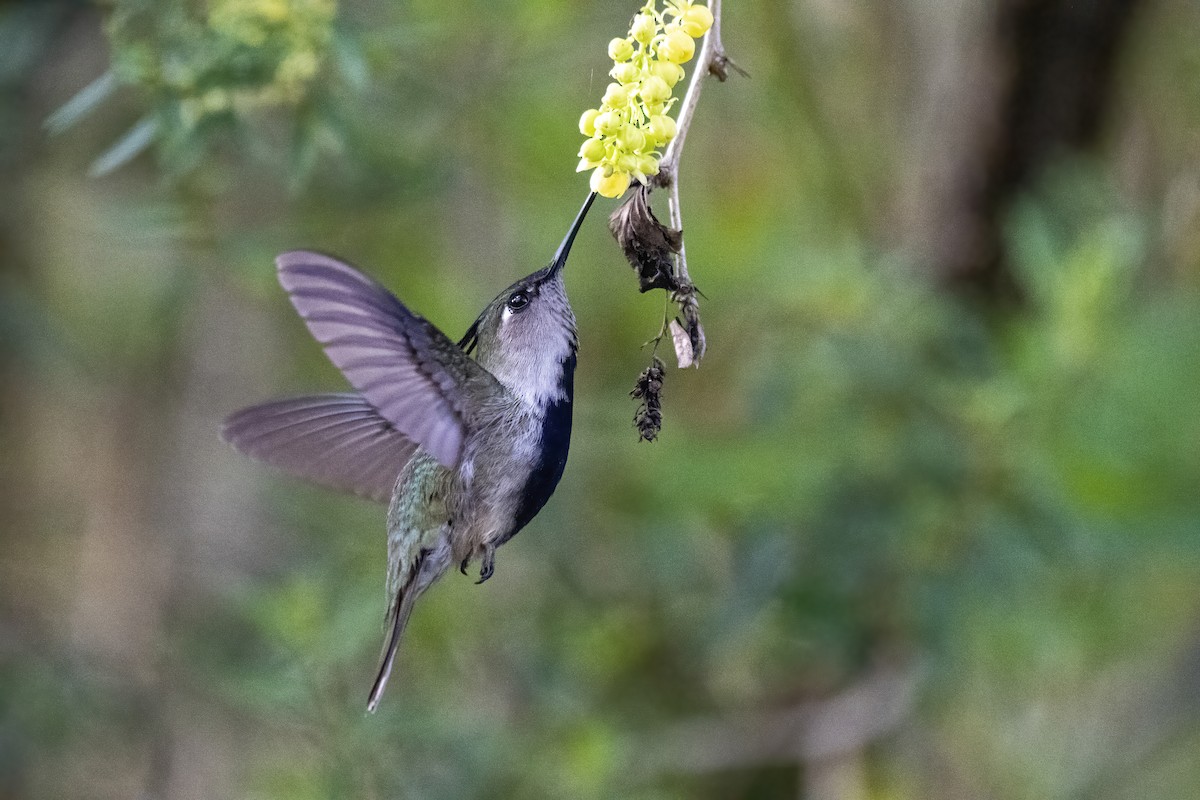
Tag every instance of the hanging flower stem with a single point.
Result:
(711, 61)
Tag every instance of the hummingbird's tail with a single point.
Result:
(430, 566)
(400, 612)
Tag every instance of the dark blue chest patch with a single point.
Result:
(552, 459)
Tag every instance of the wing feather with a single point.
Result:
(415, 377)
(337, 440)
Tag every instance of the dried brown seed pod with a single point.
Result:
(648, 417)
(649, 245)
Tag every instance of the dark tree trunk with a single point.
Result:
(1039, 81)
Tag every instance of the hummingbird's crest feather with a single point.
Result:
(336, 440)
(415, 377)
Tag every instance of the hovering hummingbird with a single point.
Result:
(468, 450)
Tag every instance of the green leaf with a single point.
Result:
(127, 148)
(85, 101)
(351, 61)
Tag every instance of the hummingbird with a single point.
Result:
(466, 441)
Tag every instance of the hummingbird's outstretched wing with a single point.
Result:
(337, 440)
(415, 377)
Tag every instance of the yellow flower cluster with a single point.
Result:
(633, 121)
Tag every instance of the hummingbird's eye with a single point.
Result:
(518, 301)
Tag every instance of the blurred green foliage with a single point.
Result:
(867, 472)
(207, 69)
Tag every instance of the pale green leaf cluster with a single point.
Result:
(203, 66)
(235, 54)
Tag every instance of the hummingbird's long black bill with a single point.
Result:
(560, 255)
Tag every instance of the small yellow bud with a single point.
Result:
(644, 27)
(648, 165)
(620, 49)
(616, 96)
(587, 123)
(609, 123)
(662, 127)
(696, 21)
(632, 138)
(671, 73)
(613, 184)
(678, 47)
(655, 90)
(624, 73)
(592, 150)
(627, 163)
(654, 109)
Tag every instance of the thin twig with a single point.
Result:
(711, 61)
(710, 51)
(662, 330)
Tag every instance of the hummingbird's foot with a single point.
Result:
(463, 566)
(488, 567)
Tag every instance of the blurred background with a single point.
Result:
(926, 523)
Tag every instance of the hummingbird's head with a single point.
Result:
(526, 335)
